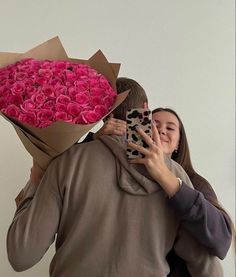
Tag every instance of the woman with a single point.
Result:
(217, 233)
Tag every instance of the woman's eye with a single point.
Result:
(171, 129)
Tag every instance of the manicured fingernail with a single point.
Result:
(137, 126)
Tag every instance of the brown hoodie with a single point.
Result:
(111, 219)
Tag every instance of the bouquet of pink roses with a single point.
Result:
(42, 92)
(53, 100)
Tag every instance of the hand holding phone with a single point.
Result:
(142, 118)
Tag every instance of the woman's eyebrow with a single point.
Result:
(171, 123)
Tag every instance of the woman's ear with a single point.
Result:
(145, 105)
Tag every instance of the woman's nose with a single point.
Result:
(161, 130)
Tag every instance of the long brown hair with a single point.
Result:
(182, 157)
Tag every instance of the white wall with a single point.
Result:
(182, 52)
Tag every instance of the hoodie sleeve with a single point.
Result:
(209, 225)
(35, 222)
(199, 262)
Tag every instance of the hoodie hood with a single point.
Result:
(132, 178)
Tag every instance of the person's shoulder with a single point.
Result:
(77, 150)
(174, 166)
(88, 147)
(178, 170)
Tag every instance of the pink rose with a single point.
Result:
(60, 107)
(101, 110)
(110, 92)
(62, 116)
(59, 90)
(55, 82)
(38, 98)
(49, 104)
(108, 101)
(45, 73)
(20, 76)
(81, 85)
(96, 101)
(46, 65)
(12, 111)
(72, 91)
(15, 99)
(74, 109)
(28, 83)
(92, 73)
(30, 62)
(70, 76)
(28, 105)
(104, 83)
(42, 81)
(48, 90)
(97, 91)
(30, 91)
(63, 99)
(81, 98)
(10, 82)
(4, 75)
(18, 87)
(29, 118)
(81, 70)
(94, 82)
(3, 103)
(88, 117)
(25, 68)
(4, 91)
(59, 65)
(45, 115)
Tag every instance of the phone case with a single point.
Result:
(143, 118)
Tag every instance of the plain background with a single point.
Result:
(181, 52)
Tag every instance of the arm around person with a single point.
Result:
(208, 224)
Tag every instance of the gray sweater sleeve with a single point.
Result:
(35, 222)
(205, 222)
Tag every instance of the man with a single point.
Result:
(111, 217)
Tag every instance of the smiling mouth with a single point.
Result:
(162, 140)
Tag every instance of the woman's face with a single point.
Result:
(168, 128)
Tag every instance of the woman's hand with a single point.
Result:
(112, 126)
(154, 161)
(36, 173)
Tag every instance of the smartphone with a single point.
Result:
(143, 118)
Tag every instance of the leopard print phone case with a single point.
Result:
(142, 118)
